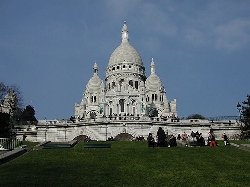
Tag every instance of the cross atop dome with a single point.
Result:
(124, 32)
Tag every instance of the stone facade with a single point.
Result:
(126, 90)
(61, 131)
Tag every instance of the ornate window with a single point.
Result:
(161, 98)
(93, 99)
(154, 97)
(121, 102)
(136, 84)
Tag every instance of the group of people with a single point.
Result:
(160, 140)
(210, 139)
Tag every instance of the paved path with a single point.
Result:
(245, 147)
(10, 155)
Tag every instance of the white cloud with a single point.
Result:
(158, 19)
(194, 36)
(121, 8)
(233, 35)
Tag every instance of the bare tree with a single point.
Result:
(4, 90)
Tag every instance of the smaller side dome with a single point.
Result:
(95, 82)
(153, 82)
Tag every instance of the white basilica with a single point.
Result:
(125, 103)
(126, 91)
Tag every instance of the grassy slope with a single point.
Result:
(129, 164)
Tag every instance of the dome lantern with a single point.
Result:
(124, 32)
(95, 68)
(152, 66)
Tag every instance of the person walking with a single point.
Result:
(161, 137)
(225, 138)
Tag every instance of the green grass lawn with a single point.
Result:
(129, 164)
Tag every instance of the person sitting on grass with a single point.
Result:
(200, 140)
(151, 141)
(172, 141)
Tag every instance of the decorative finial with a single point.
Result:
(95, 68)
(124, 32)
(152, 66)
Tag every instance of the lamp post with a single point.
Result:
(45, 133)
(241, 130)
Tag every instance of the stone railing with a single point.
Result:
(9, 143)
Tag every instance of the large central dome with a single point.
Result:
(125, 52)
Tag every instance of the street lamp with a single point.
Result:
(46, 129)
(239, 109)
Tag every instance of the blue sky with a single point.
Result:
(201, 50)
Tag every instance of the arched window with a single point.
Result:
(154, 97)
(136, 84)
(130, 83)
(121, 102)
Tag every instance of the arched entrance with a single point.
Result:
(123, 137)
(81, 138)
